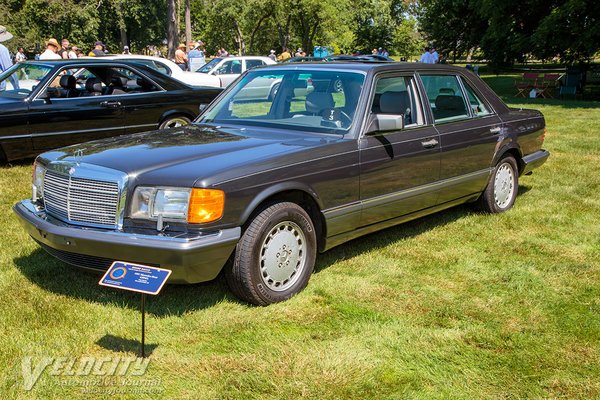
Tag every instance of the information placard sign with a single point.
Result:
(135, 277)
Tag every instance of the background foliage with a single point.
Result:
(501, 32)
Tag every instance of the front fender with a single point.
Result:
(275, 190)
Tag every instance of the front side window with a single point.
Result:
(206, 68)
(315, 101)
(398, 96)
(445, 97)
(22, 79)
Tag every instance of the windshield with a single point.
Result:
(312, 101)
(20, 80)
(210, 65)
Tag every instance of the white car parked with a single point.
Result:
(168, 67)
(227, 69)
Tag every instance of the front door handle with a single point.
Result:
(495, 130)
(111, 104)
(429, 144)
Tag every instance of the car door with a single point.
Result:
(61, 116)
(399, 167)
(143, 101)
(469, 134)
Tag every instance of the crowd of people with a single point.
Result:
(188, 57)
(430, 56)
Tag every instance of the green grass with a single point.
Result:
(455, 305)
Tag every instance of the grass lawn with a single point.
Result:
(455, 305)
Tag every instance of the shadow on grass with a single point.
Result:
(122, 345)
(60, 278)
(57, 277)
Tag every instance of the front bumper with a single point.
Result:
(534, 160)
(192, 259)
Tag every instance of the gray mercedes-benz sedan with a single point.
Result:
(263, 180)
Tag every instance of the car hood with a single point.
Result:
(195, 155)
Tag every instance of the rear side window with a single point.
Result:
(445, 97)
(397, 96)
(254, 63)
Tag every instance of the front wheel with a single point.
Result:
(501, 190)
(174, 122)
(275, 256)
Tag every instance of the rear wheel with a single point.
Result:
(275, 256)
(501, 190)
(174, 121)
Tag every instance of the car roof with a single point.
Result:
(161, 79)
(364, 66)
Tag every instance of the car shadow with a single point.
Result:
(60, 278)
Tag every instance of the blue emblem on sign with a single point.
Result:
(135, 277)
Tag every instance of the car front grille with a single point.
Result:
(81, 200)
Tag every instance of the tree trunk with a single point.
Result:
(239, 38)
(284, 33)
(188, 23)
(256, 28)
(172, 28)
(124, 41)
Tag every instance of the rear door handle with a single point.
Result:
(429, 144)
(111, 104)
(495, 130)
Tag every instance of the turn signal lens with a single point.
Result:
(206, 205)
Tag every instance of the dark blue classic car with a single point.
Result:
(50, 104)
(261, 181)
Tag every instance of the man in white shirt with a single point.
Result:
(51, 52)
(434, 55)
(426, 58)
(5, 61)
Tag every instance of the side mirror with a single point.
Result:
(385, 123)
(202, 107)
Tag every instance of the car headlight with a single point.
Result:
(194, 205)
(37, 186)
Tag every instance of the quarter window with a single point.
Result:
(445, 97)
(477, 106)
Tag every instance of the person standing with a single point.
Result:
(126, 50)
(73, 52)
(426, 57)
(5, 59)
(63, 52)
(435, 57)
(51, 52)
(98, 50)
(196, 56)
(285, 55)
(181, 58)
(20, 56)
(272, 55)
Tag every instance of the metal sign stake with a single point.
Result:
(143, 325)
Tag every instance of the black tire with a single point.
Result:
(174, 121)
(261, 255)
(501, 191)
(273, 92)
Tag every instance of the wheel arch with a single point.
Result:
(175, 112)
(514, 151)
(293, 192)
